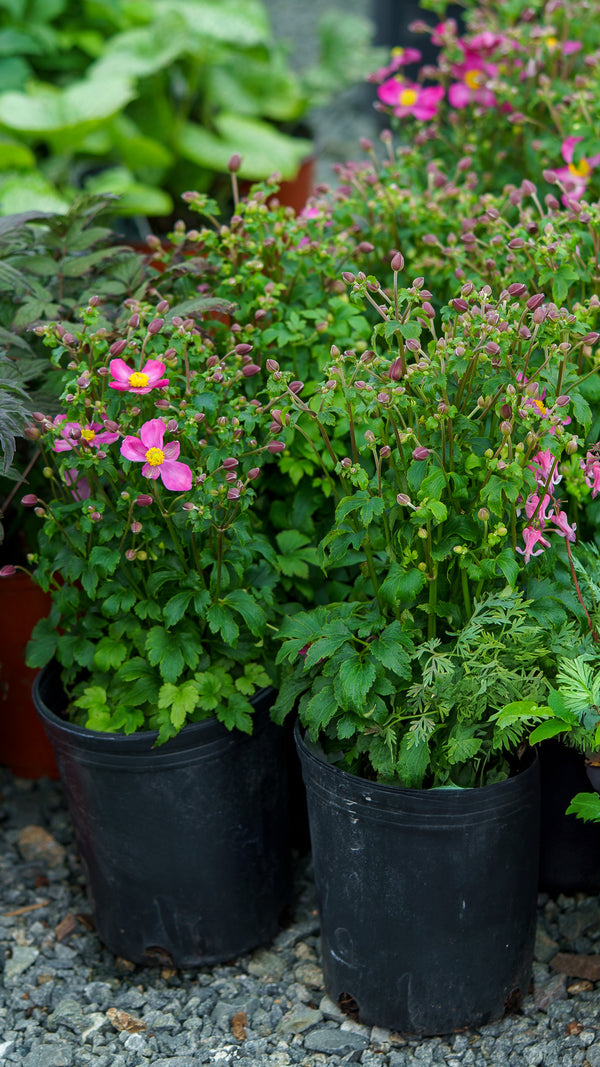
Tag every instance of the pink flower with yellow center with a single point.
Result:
(400, 57)
(472, 86)
(160, 460)
(575, 176)
(74, 435)
(409, 98)
(137, 381)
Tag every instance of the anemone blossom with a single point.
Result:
(137, 381)
(160, 460)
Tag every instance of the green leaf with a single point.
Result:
(42, 646)
(401, 585)
(176, 607)
(550, 728)
(585, 806)
(221, 620)
(163, 652)
(326, 646)
(581, 410)
(433, 485)
(109, 654)
(318, 710)
(413, 761)
(180, 699)
(263, 148)
(236, 712)
(389, 648)
(356, 676)
(250, 610)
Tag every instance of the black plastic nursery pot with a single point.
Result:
(427, 897)
(569, 848)
(185, 847)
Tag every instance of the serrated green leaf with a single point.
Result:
(585, 806)
(220, 620)
(164, 652)
(249, 608)
(42, 646)
(356, 676)
(181, 700)
(109, 654)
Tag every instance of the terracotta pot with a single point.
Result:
(24, 747)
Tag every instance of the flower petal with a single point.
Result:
(132, 448)
(152, 433)
(175, 476)
(119, 370)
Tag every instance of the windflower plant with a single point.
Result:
(448, 445)
(515, 89)
(161, 579)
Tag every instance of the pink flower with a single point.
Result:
(533, 504)
(563, 527)
(401, 57)
(409, 98)
(473, 75)
(137, 381)
(73, 435)
(545, 462)
(80, 487)
(575, 176)
(591, 472)
(160, 461)
(532, 537)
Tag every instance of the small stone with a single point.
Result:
(545, 946)
(299, 1019)
(5, 1047)
(36, 845)
(309, 974)
(135, 1043)
(581, 986)
(267, 965)
(380, 1035)
(46, 1055)
(554, 989)
(331, 1010)
(577, 966)
(574, 923)
(334, 1042)
(93, 1022)
(22, 957)
(122, 1020)
(67, 1013)
(533, 1055)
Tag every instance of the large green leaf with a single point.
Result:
(263, 148)
(242, 22)
(135, 197)
(47, 110)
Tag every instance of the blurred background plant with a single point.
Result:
(148, 99)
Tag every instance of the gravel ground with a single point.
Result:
(67, 1002)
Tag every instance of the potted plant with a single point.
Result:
(443, 445)
(158, 673)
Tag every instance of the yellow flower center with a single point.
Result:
(581, 169)
(407, 97)
(541, 407)
(155, 456)
(474, 79)
(138, 380)
(88, 435)
(551, 43)
(397, 51)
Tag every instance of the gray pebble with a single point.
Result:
(332, 1040)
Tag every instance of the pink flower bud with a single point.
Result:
(275, 446)
(385, 451)
(144, 500)
(243, 349)
(29, 500)
(253, 473)
(230, 463)
(397, 262)
(130, 554)
(272, 365)
(296, 387)
(492, 348)
(421, 453)
(136, 527)
(233, 493)
(250, 370)
(590, 339)
(517, 289)
(540, 314)
(403, 499)
(535, 301)
(348, 277)
(459, 305)
(134, 321)
(396, 370)
(235, 162)
(562, 401)
(383, 398)
(7, 571)
(155, 326)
